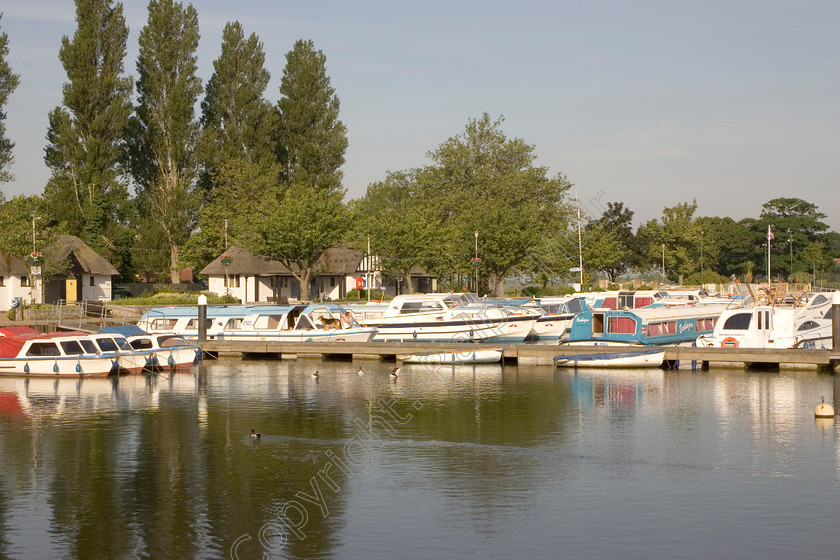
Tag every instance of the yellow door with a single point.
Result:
(70, 288)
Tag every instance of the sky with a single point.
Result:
(650, 103)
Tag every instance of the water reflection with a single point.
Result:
(483, 459)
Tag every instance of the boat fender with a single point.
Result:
(55, 367)
(729, 342)
(78, 367)
(26, 367)
(824, 410)
(170, 360)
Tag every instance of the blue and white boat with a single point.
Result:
(646, 326)
(321, 322)
(163, 350)
(445, 317)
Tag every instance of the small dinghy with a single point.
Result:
(651, 357)
(468, 356)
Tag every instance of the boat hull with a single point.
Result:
(59, 366)
(468, 356)
(631, 359)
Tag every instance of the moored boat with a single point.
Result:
(320, 322)
(55, 355)
(465, 356)
(161, 350)
(445, 317)
(648, 357)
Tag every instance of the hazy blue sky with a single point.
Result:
(649, 103)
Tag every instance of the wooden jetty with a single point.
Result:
(531, 354)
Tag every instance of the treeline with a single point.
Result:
(155, 185)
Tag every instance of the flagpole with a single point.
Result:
(769, 237)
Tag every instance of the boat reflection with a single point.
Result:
(615, 388)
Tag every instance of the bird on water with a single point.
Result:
(395, 372)
(316, 374)
(254, 434)
(361, 372)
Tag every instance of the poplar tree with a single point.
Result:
(312, 139)
(165, 131)
(8, 82)
(87, 191)
(239, 127)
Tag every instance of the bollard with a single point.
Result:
(202, 319)
(835, 320)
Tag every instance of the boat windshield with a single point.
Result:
(107, 344)
(89, 346)
(71, 347)
(168, 341)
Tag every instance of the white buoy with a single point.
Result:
(824, 410)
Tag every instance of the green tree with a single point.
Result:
(312, 140)
(483, 182)
(86, 190)
(165, 130)
(296, 229)
(679, 232)
(795, 223)
(622, 251)
(8, 82)
(237, 121)
(402, 229)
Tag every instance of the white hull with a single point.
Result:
(59, 366)
(645, 358)
(484, 356)
(315, 335)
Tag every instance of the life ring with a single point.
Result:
(729, 342)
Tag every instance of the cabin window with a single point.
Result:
(738, 322)
(643, 301)
(760, 320)
(107, 344)
(170, 341)
(89, 346)
(808, 325)
(233, 323)
(193, 324)
(621, 325)
(662, 328)
(141, 343)
(163, 324)
(304, 323)
(704, 325)
(122, 343)
(819, 300)
(573, 306)
(24, 281)
(827, 313)
(43, 349)
(71, 347)
(625, 301)
(609, 303)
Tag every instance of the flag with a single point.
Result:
(769, 233)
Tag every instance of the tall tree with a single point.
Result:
(623, 251)
(86, 190)
(164, 163)
(239, 128)
(484, 183)
(8, 82)
(237, 121)
(312, 139)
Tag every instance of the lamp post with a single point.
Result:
(663, 262)
(701, 258)
(476, 263)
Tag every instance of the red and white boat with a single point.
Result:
(55, 355)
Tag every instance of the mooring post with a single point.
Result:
(202, 319)
(835, 320)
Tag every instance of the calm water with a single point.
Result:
(476, 462)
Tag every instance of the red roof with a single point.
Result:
(14, 331)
